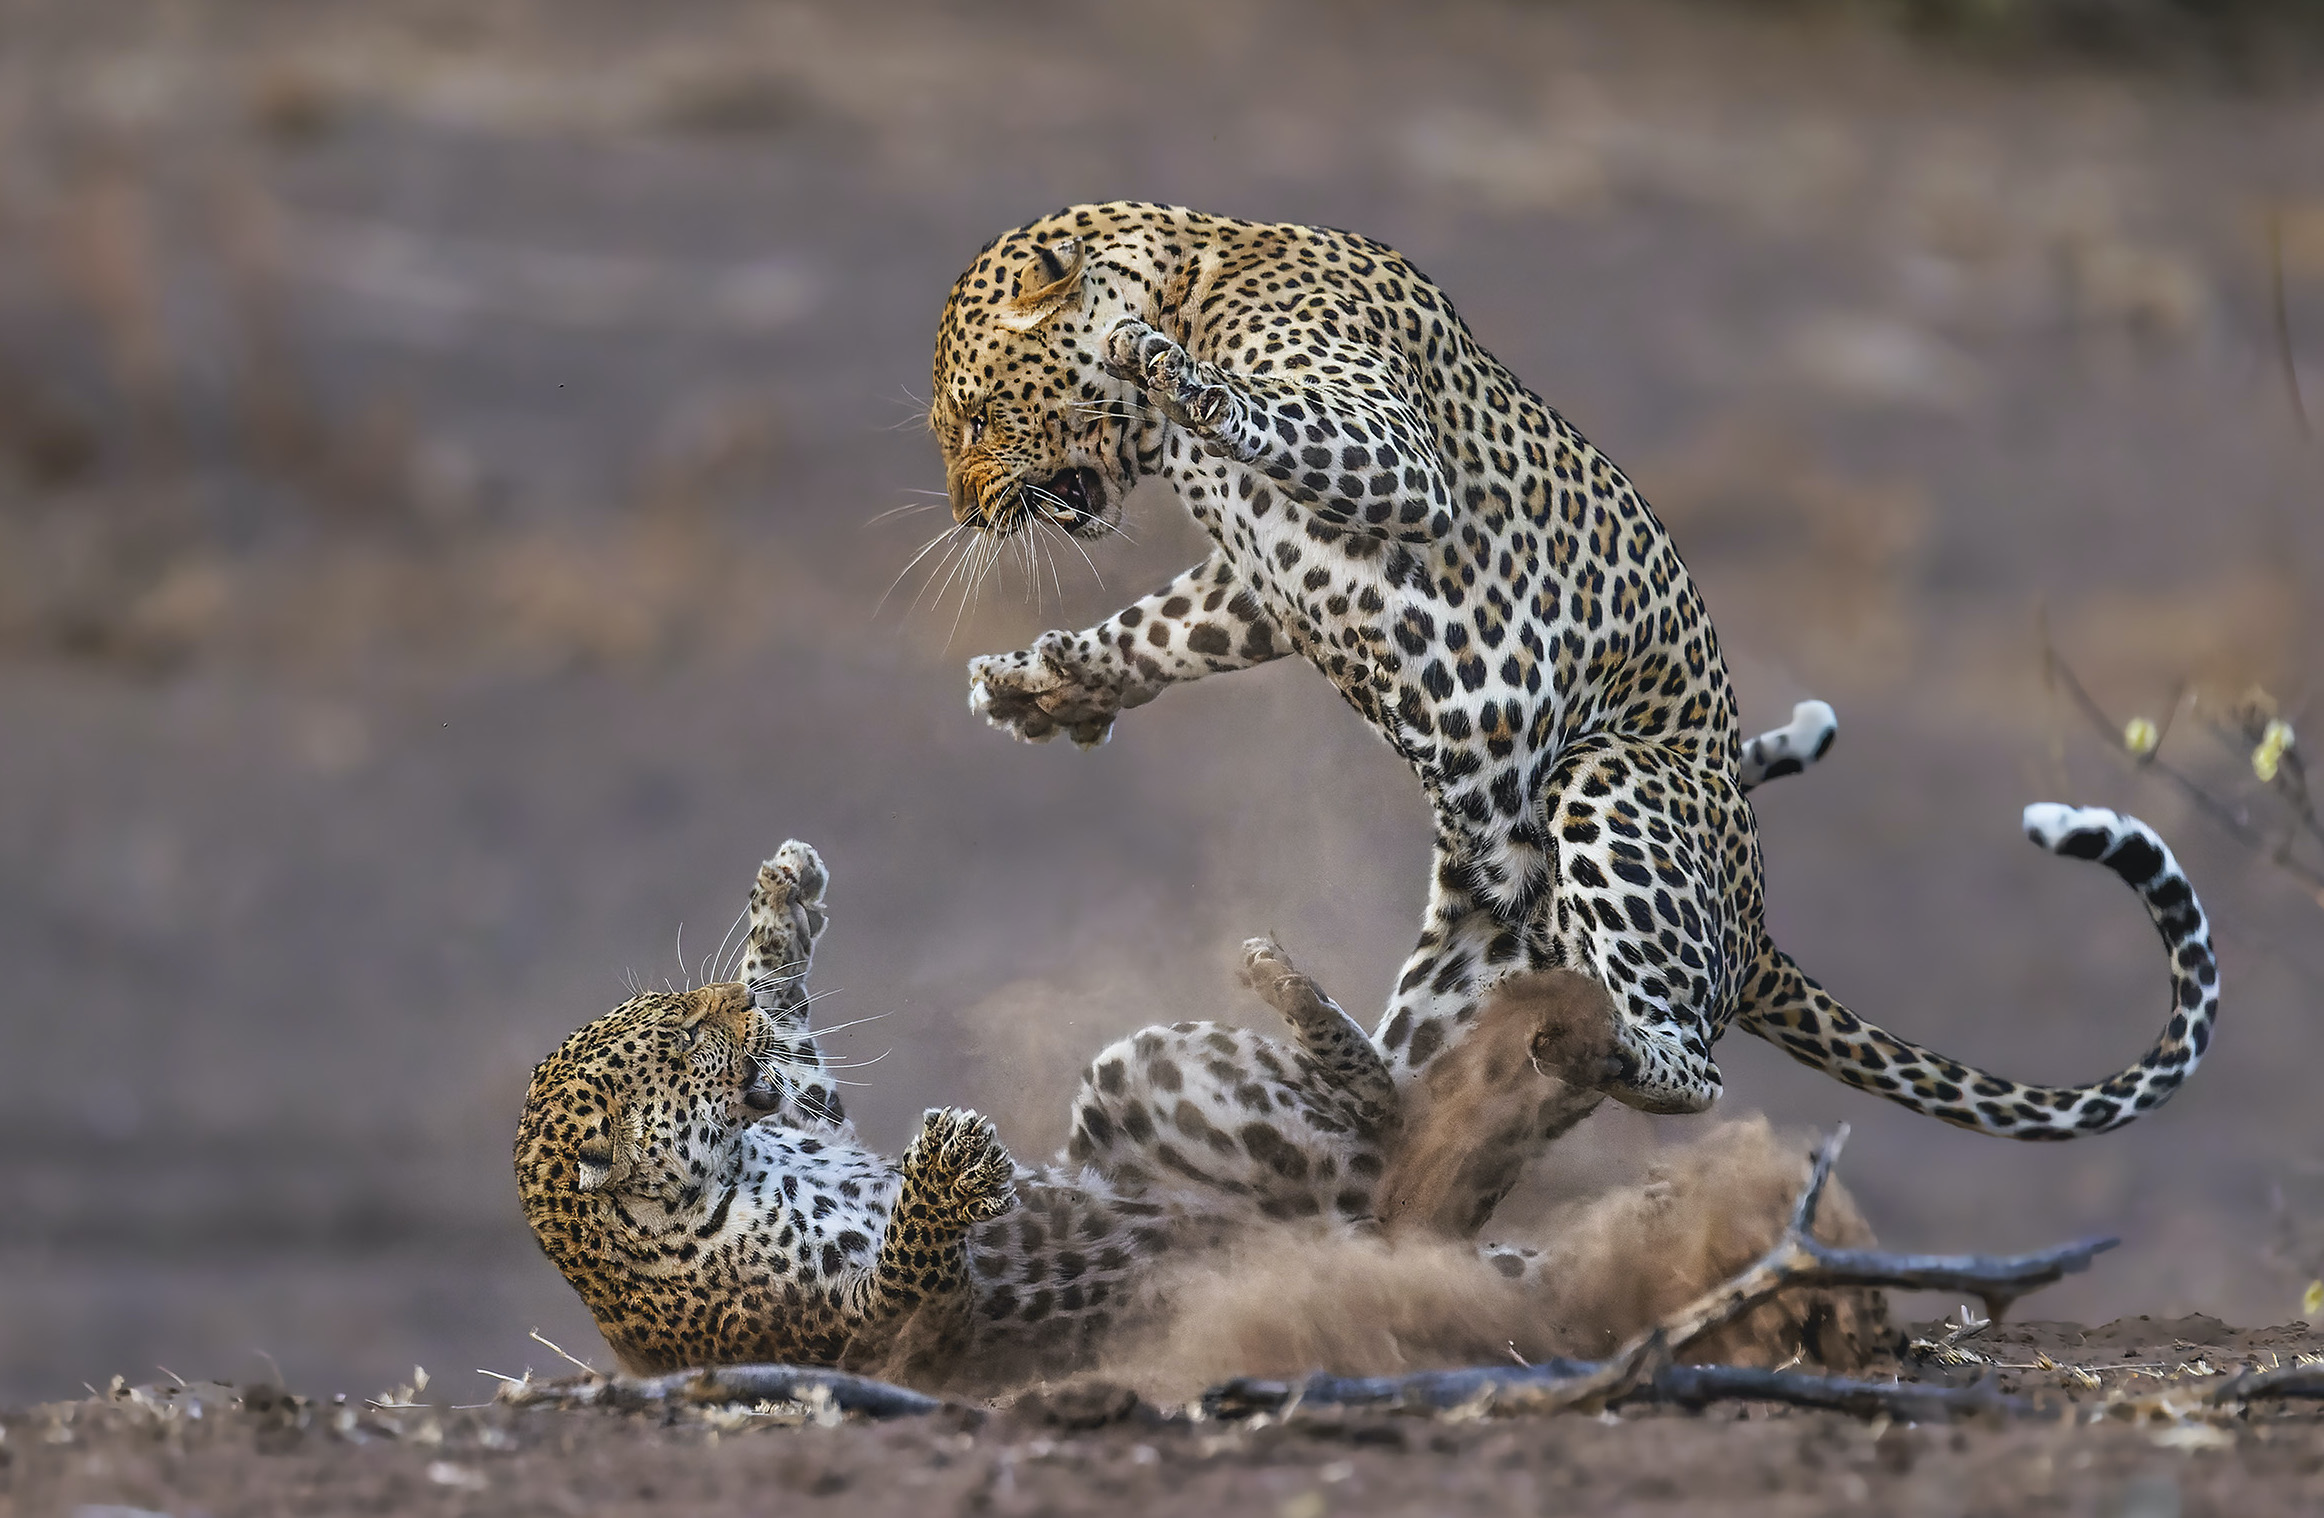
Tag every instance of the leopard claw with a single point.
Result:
(1264, 963)
(1041, 691)
(958, 1157)
(795, 873)
(1122, 351)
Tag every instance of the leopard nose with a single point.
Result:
(761, 1095)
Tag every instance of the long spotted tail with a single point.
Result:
(1790, 1010)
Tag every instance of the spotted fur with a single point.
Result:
(1484, 587)
(685, 1162)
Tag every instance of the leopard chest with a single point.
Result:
(1457, 653)
(807, 1209)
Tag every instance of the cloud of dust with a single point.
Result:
(1028, 1043)
(1530, 1065)
(1592, 1252)
(1285, 1302)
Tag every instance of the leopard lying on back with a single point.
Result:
(686, 1162)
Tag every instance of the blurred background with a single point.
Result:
(443, 446)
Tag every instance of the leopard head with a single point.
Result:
(640, 1113)
(1034, 431)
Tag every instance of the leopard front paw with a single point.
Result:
(796, 873)
(1191, 393)
(1133, 350)
(958, 1168)
(786, 914)
(1039, 692)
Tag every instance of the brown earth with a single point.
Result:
(2126, 1450)
(437, 443)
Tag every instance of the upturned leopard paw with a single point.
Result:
(796, 873)
(1038, 692)
(1270, 974)
(786, 915)
(958, 1167)
(1189, 392)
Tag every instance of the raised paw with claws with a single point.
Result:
(958, 1168)
(1191, 392)
(1269, 973)
(1039, 692)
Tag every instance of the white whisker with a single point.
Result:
(969, 549)
(853, 1022)
(905, 510)
(1055, 582)
(987, 550)
(925, 549)
(857, 1064)
(951, 566)
(717, 959)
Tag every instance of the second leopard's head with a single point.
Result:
(1032, 427)
(646, 1103)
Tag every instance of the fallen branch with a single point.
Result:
(1694, 1386)
(2283, 1381)
(1644, 1369)
(1498, 1388)
(724, 1385)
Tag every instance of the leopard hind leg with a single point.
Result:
(1657, 897)
(1339, 1043)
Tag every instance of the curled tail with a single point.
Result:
(1790, 1010)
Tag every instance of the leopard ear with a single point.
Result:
(1046, 285)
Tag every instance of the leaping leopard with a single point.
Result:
(1489, 592)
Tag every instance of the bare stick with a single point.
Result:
(2283, 1381)
(724, 1384)
(562, 1353)
(1699, 1385)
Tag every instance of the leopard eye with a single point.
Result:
(976, 428)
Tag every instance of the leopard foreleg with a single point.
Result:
(786, 917)
(1338, 437)
(1199, 624)
(956, 1175)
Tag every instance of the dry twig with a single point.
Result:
(722, 1385)
(2283, 316)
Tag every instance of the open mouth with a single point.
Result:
(1071, 498)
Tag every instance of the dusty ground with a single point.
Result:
(437, 442)
(2126, 1450)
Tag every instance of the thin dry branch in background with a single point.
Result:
(2284, 322)
(2270, 744)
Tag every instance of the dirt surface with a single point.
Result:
(439, 448)
(2138, 1446)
